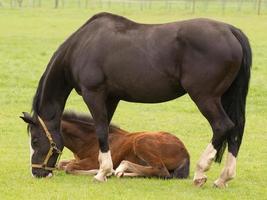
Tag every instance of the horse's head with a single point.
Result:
(45, 146)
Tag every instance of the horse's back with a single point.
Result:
(150, 62)
(125, 56)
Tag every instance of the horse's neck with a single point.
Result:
(53, 91)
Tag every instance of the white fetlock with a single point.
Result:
(199, 175)
(106, 166)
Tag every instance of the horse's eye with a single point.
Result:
(34, 141)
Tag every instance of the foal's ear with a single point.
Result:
(27, 118)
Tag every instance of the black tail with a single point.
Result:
(183, 170)
(234, 99)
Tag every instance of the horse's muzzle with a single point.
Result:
(41, 173)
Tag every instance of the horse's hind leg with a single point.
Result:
(212, 109)
(229, 170)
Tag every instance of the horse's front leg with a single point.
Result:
(96, 102)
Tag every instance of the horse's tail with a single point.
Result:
(183, 170)
(234, 99)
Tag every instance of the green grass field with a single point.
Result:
(28, 37)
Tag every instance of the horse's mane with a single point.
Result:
(38, 94)
(75, 117)
(36, 98)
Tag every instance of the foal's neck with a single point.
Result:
(75, 135)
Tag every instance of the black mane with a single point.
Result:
(36, 98)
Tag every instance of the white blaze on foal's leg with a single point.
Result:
(228, 172)
(105, 166)
(119, 172)
(204, 164)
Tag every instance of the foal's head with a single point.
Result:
(44, 148)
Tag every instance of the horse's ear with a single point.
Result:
(27, 118)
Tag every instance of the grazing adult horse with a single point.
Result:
(145, 154)
(111, 58)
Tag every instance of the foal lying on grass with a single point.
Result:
(145, 154)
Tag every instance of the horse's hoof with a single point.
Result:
(111, 173)
(219, 184)
(200, 182)
(99, 179)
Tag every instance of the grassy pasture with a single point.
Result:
(28, 37)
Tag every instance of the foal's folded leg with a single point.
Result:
(63, 163)
(84, 172)
(154, 165)
(87, 166)
(127, 168)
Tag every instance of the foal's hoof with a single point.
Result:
(200, 182)
(99, 178)
(119, 174)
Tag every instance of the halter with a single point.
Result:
(53, 149)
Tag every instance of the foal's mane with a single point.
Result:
(87, 120)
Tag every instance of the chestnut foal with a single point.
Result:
(145, 154)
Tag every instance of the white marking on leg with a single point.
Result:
(119, 172)
(31, 153)
(84, 172)
(204, 162)
(228, 172)
(105, 166)
(131, 175)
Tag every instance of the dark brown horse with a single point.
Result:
(144, 154)
(111, 58)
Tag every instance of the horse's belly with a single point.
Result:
(145, 91)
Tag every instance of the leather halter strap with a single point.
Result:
(53, 149)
